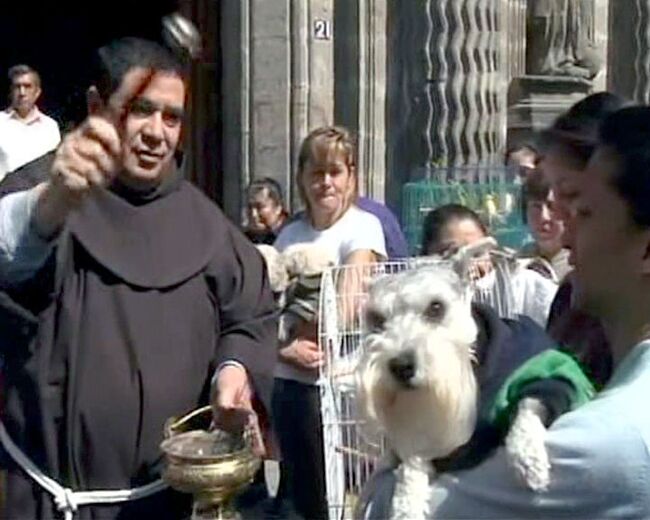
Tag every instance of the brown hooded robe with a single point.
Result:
(151, 293)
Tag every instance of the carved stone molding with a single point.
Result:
(629, 50)
(515, 36)
(446, 79)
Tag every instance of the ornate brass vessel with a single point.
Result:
(211, 465)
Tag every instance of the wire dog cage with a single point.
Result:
(350, 456)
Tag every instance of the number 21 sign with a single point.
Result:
(322, 29)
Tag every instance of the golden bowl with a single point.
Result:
(211, 465)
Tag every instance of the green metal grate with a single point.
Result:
(506, 225)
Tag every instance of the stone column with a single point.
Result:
(514, 36)
(446, 80)
(255, 85)
(601, 37)
(277, 84)
(360, 85)
(629, 49)
(312, 76)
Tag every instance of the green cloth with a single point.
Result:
(550, 364)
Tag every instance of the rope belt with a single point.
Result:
(66, 500)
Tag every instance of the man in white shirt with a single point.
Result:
(25, 132)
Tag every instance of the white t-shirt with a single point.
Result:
(23, 141)
(527, 293)
(356, 230)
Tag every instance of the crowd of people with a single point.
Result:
(127, 297)
(553, 179)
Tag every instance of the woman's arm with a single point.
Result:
(301, 347)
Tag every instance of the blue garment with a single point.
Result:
(396, 245)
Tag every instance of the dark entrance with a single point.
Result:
(58, 39)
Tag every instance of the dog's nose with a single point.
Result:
(402, 367)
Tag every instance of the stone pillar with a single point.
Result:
(360, 85)
(312, 76)
(276, 83)
(514, 35)
(629, 49)
(601, 37)
(446, 77)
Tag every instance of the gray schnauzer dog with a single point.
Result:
(417, 381)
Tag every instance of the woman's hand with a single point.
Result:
(303, 353)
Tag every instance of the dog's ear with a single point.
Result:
(463, 257)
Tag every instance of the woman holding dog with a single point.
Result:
(600, 462)
(327, 182)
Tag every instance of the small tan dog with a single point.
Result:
(295, 276)
(296, 260)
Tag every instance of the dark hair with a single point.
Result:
(271, 186)
(575, 133)
(519, 147)
(21, 70)
(626, 133)
(114, 60)
(536, 188)
(437, 221)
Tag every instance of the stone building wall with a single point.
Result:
(423, 83)
(278, 82)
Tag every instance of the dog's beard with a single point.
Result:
(435, 416)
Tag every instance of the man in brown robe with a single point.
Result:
(128, 298)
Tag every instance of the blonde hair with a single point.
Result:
(324, 142)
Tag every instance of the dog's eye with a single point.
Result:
(375, 321)
(435, 311)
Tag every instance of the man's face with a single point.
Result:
(608, 248)
(149, 124)
(24, 93)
